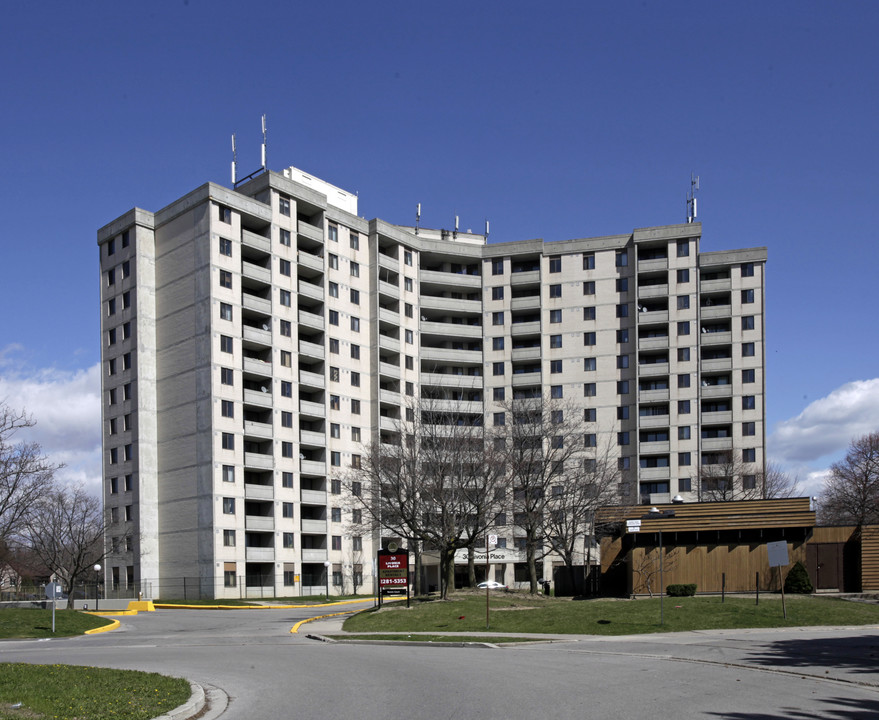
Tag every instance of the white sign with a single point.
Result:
(54, 590)
(777, 554)
(492, 540)
(633, 525)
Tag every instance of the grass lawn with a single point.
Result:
(522, 613)
(36, 623)
(68, 692)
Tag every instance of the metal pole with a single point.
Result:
(661, 583)
(758, 589)
(722, 587)
(487, 591)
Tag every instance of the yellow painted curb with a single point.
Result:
(169, 606)
(109, 613)
(295, 628)
(145, 605)
(104, 628)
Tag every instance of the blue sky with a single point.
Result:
(553, 120)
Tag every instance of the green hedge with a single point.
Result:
(681, 590)
(797, 580)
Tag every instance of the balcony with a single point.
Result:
(258, 335)
(307, 408)
(529, 378)
(655, 473)
(652, 421)
(650, 396)
(531, 302)
(258, 429)
(462, 280)
(313, 555)
(312, 467)
(312, 320)
(389, 289)
(532, 353)
(717, 418)
(650, 317)
(449, 380)
(652, 369)
(313, 497)
(388, 369)
(715, 338)
(257, 397)
(255, 272)
(251, 239)
(525, 328)
(716, 444)
(259, 554)
(448, 355)
(389, 397)
(389, 424)
(315, 527)
(257, 366)
(431, 302)
(314, 263)
(469, 407)
(258, 461)
(653, 343)
(388, 343)
(312, 438)
(716, 311)
(310, 231)
(706, 286)
(388, 262)
(310, 290)
(389, 316)
(258, 492)
(448, 329)
(311, 379)
(257, 304)
(652, 291)
(525, 278)
(714, 365)
(716, 391)
(259, 523)
(652, 265)
(654, 448)
(311, 349)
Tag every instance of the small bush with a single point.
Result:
(681, 590)
(797, 580)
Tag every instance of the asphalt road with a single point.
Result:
(269, 673)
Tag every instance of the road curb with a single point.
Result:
(206, 703)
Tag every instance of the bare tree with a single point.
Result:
(851, 491)
(647, 565)
(776, 483)
(724, 476)
(25, 474)
(65, 531)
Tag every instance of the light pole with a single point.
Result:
(97, 584)
(327, 577)
(655, 514)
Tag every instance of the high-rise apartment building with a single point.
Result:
(253, 340)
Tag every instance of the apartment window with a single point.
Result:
(285, 298)
(286, 389)
(126, 330)
(111, 336)
(683, 248)
(555, 392)
(114, 485)
(555, 366)
(499, 419)
(229, 538)
(111, 277)
(111, 396)
(114, 456)
(589, 261)
(335, 515)
(623, 336)
(111, 247)
(355, 269)
(355, 324)
(409, 336)
(356, 489)
(111, 366)
(286, 358)
(622, 258)
(334, 346)
(497, 343)
(126, 391)
(497, 293)
(407, 284)
(624, 463)
(335, 486)
(355, 407)
(684, 380)
(229, 473)
(333, 289)
(336, 545)
(227, 376)
(225, 311)
(623, 438)
(684, 459)
(497, 267)
(748, 322)
(225, 344)
(355, 379)
(228, 441)
(555, 291)
(357, 541)
(555, 316)
(749, 429)
(623, 310)
(747, 296)
(749, 402)
(284, 267)
(683, 354)
(287, 449)
(354, 240)
(555, 264)
(555, 341)
(684, 432)
(111, 306)
(497, 368)
(623, 412)
(589, 389)
(225, 279)
(684, 485)
(747, 349)
(748, 376)
(355, 352)
(333, 261)
(622, 387)
(287, 510)
(333, 232)
(684, 328)
(622, 285)
(683, 407)
(285, 237)
(749, 455)
(749, 482)
(589, 313)
(226, 247)
(410, 362)
(683, 302)
(589, 287)
(407, 257)
(498, 394)
(289, 542)
(334, 402)
(228, 408)
(409, 310)
(622, 362)
(334, 317)
(355, 434)
(228, 506)
(589, 414)
(683, 275)
(230, 579)
(497, 318)
(590, 440)
(589, 338)
(747, 269)
(355, 296)
(126, 422)
(335, 373)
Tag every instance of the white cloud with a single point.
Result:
(828, 425)
(67, 408)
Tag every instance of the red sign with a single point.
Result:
(393, 569)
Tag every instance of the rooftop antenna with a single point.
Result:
(234, 162)
(264, 142)
(691, 198)
(486, 229)
(417, 216)
(455, 235)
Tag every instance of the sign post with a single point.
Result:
(778, 558)
(53, 590)
(490, 542)
(393, 572)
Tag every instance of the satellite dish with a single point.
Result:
(264, 388)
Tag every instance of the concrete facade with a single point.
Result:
(254, 339)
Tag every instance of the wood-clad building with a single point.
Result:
(722, 546)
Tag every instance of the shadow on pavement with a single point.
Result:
(837, 709)
(856, 653)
